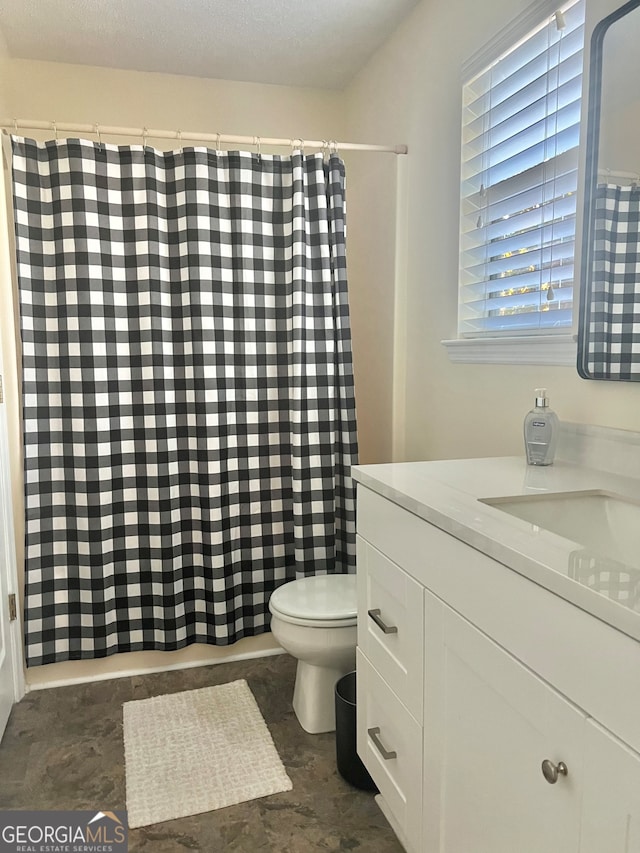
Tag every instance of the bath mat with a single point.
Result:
(192, 752)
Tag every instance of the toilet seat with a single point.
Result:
(320, 601)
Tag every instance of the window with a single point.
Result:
(521, 127)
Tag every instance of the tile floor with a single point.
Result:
(63, 750)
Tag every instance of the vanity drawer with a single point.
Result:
(391, 624)
(390, 745)
(411, 542)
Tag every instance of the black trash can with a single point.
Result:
(349, 765)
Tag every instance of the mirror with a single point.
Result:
(609, 322)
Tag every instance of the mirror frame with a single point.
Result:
(590, 179)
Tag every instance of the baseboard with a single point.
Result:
(148, 670)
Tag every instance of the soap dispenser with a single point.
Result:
(541, 431)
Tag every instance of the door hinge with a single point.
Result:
(13, 610)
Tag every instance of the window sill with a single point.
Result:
(534, 349)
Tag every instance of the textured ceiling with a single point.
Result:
(320, 43)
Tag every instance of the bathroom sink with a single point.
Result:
(603, 522)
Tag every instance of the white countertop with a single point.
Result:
(448, 494)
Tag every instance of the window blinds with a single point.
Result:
(521, 127)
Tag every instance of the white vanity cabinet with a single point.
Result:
(489, 725)
(611, 795)
(470, 676)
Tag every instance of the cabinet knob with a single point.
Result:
(551, 771)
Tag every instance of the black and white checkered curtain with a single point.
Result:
(189, 418)
(613, 341)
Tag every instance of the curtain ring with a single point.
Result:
(256, 142)
(179, 132)
(218, 138)
(54, 128)
(325, 149)
(145, 133)
(98, 134)
(333, 147)
(15, 126)
(300, 144)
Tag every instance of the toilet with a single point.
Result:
(314, 620)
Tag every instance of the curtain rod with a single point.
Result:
(144, 133)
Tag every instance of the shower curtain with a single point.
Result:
(189, 417)
(614, 325)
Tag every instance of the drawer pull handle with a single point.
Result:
(386, 629)
(385, 753)
(550, 771)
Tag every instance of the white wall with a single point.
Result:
(618, 143)
(53, 91)
(4, 63)
(371, 210)
(411, 92)
(620, 100)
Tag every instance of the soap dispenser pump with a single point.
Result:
(541, 431)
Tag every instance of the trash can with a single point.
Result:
(349, 765)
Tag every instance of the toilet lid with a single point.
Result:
(321, 597)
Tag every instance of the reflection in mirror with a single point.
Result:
(614, 580)
(609, 333)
